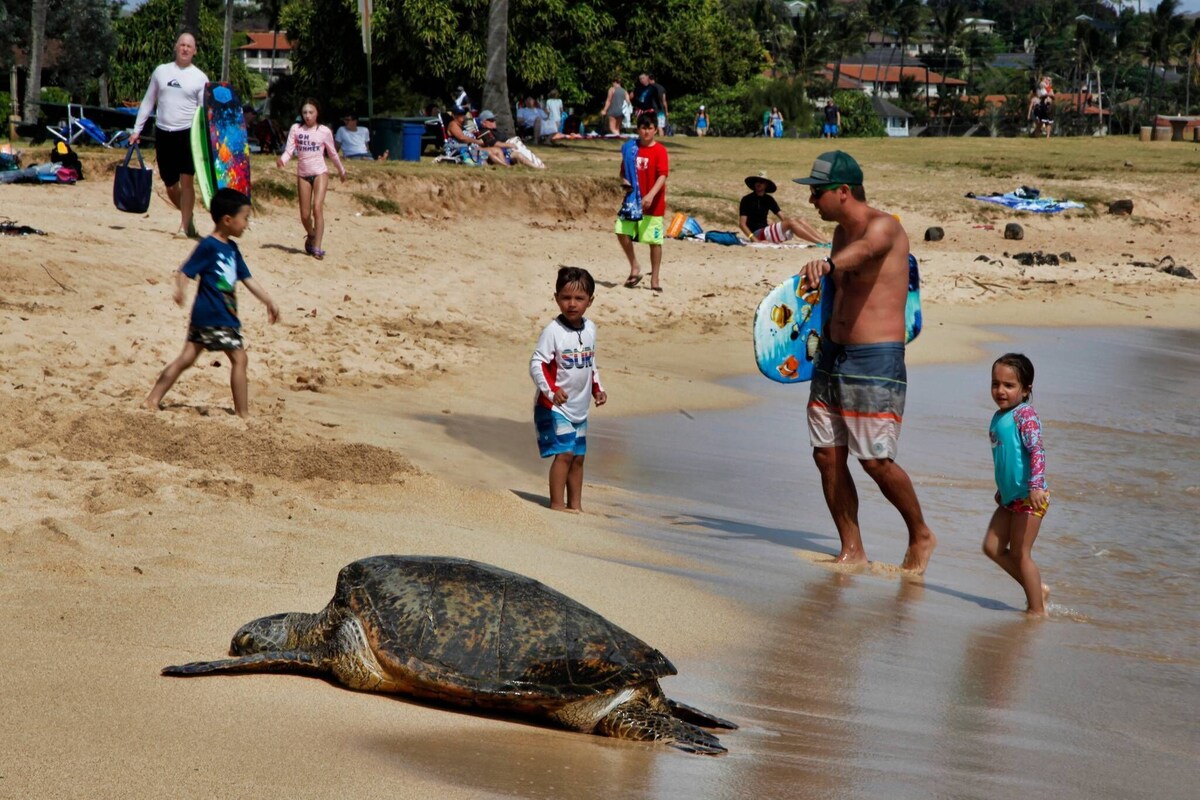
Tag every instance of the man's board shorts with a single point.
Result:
(857, 398)
(557, 434)
(648, 230)
(1024, 505)
(173, 153)
(216, 338)
(830, 129)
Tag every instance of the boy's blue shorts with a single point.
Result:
(557, 434)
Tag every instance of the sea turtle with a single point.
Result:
(471, 634)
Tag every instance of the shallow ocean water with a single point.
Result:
(865, 685)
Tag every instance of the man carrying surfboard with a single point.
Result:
(857, 399)
(176, 90)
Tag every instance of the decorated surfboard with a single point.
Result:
(791, 322)
(220, 146)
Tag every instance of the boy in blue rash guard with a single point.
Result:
(1020, 463)
(214, 324)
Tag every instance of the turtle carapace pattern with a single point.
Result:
(475, 635)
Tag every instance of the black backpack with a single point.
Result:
(62, 153)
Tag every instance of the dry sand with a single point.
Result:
(391, 413)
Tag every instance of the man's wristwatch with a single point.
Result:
(832, 266)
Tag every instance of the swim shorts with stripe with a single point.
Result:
(857, 398)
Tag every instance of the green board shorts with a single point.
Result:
(647, 230)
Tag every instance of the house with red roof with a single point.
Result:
(267, 52)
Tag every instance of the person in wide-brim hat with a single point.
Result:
(753, 179)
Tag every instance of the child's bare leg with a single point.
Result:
(575, 485)
(627, 245)
(1024, 530)
(997, 547)
(318, 209)
(237, 382)
(655, 263)
(171, 373)
(304, 191)
(559, 469)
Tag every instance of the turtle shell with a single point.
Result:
(468, 631)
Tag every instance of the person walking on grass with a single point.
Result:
(214, 324)
(176, 90)
(856, 403)
(563, 368)
(310, 141)
(652, 166)
(1019, 459)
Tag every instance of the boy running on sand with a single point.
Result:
(214, 324)
(652, 168)
(563, 368)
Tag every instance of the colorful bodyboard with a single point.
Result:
(227, 154)
(791, 321)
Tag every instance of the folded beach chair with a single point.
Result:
(76, 125)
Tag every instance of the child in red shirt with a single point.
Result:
(652, 168)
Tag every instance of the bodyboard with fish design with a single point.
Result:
(791, 322)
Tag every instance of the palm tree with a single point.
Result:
(848, 36)
(1193, 48)
(948, 25)
(909, 18)
(812, 46)
(495, 82)
(190, 19)
(37, 46)
(1162, 43)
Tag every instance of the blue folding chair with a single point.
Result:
(77, 125)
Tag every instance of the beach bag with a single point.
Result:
(691, 229)
(132, 186)
(723, 238)
(675, 229)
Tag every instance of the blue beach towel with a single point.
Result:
(1020, 201)
(631, 207)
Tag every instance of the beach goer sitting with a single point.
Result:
(460, 143)
(529, 120)
(499, 152)
(754, 214)
(355, 140)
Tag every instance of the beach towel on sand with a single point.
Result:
(631, 207)
(1021, 201)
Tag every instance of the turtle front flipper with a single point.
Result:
(639, 720)
(278, 661)
(697, 717)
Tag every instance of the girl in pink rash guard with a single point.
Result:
(309, 142)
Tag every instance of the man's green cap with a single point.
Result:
(836, 167)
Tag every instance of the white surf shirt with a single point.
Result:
(565, 358)
(173, 96)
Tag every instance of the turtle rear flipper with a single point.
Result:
(282, 661)
(638, 721)
(697, 717)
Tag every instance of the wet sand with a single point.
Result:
(392, 415)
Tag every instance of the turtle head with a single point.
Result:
(264, 635)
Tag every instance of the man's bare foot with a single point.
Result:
(916, 557)
(1045, 594)
(852, 557)
(150, 406)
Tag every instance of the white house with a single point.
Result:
(895, 119)
(256, 54)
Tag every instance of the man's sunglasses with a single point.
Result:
(817, 191)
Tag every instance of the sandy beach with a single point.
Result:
(391, 414)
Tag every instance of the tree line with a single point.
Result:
(734, 56)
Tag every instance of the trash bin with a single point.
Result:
(413, 131)
(386, 137)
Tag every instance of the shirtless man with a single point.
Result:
(857, 399)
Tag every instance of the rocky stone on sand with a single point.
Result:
(1123, 207)
(1014, 231)
(1067, 257)
(934, 234)
(1037, 258)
